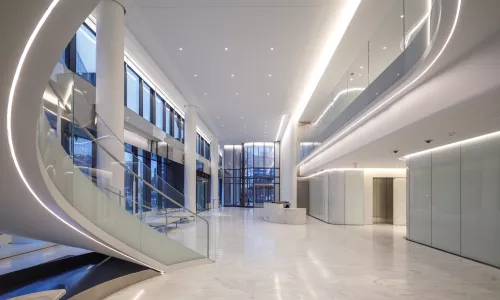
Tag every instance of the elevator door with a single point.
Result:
(383, 205)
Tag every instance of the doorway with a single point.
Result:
(383, 201)
(263, 192)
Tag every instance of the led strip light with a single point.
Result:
(343, 92)
(11, 143)
(342, 133)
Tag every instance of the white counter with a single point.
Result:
(273, 212)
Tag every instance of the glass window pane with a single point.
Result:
(132, 90)
(154, 182)
(177, 127)
(277, 155)
(85, 50)
(182, 130)
(269, 155)
(228, 157)
(146, 101)
(168, 120)
(237, 157)
(159, 112)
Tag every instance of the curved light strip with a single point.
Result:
(11, 143)
(335, 99)
(474, 139)
(279, 128)
(342, 133)
(325, 56)
(352, 169)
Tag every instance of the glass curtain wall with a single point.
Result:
(80, 57)
(251, 174)
(157, 167)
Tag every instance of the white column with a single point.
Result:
(110, 91)
(190, 157)
(214, 171)
(288, 164)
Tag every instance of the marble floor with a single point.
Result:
(261, 261)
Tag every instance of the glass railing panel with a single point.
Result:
(385, 45)
(358, 77)
(402, 38)
(416, 17)
(340, 99)
(93, 166)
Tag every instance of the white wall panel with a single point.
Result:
(336, 197)
(354, 197)
(446, 199)
(480, 190)
(318, 197)
(420, 198)
(399, 198)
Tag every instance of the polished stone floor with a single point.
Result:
(260, 261)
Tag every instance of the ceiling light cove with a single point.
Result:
(338, 27)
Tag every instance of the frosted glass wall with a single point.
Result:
(337, 197)
(454, 199)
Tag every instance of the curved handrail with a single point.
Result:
(110, 134)
(98, 143)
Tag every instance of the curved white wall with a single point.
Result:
(31, 205)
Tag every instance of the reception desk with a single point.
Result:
(276, 213)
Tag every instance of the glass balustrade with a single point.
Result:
(401, 39)
(116, 191)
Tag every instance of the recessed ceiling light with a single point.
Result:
(237, 94)
(272, 49)
(270, 75)
(226, 49)
(384, 48)
(232, 75)
(268, 94)
(205, 94)
(242, 117)
(397, 74)
(195, 75)
(361, 67)
(180, 49)
(351, 79)
(402, 16)
(218, 117)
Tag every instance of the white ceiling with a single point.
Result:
(295, 29)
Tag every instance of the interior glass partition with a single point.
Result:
(251, 174)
